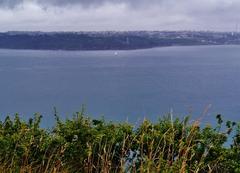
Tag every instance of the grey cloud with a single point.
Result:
(14, 3)
(119, 14)
(85, 3)
(94, 2)
(70, 2)
(10, 3)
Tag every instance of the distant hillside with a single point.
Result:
(112, 40)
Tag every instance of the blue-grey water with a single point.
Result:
(127, 85)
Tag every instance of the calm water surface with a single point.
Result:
(130, 85)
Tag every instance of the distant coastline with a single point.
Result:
(110, 40)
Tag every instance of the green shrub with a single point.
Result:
(81, 144)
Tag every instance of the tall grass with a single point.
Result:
(81, 144)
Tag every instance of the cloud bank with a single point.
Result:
(98, 15)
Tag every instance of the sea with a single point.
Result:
(132, 85)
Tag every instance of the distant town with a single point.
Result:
(111, 40)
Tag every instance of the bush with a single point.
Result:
(81, 144)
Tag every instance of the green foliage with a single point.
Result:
(81, 144)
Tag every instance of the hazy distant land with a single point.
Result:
(110, 40)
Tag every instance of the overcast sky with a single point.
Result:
(99, 15)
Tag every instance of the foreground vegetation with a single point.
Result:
(81, 144)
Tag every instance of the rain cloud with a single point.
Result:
(98, 15)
